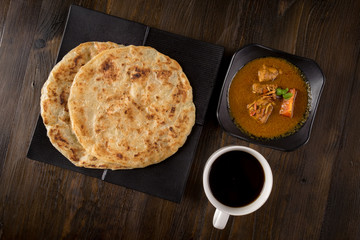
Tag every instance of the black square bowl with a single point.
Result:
(313, 75)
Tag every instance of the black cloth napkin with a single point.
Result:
(200, 62)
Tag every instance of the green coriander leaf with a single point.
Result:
(287, 95)
(279, 91)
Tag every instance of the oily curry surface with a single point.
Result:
(241, 94)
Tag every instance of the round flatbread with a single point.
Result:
(54, 99)
(131, 106)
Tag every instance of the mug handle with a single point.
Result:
(220, 219)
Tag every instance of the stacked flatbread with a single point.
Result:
(108, 106)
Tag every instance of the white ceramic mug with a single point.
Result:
(222, 211)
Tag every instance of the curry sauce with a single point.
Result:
(240, 95)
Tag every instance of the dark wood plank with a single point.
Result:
(14, 52)
(344, 188)
(344, 182)
(33, 37)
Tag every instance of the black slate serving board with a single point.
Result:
(200, 62)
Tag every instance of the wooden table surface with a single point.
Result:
(316, 192)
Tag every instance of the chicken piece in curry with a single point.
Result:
(261, 109)
(267, 73)
(263, 88)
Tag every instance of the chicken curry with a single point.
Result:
(269, 98)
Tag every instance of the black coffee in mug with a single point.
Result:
(236, 178)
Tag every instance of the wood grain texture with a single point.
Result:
(316, 192)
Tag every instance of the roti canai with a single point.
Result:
(131, 106)
(54, 108)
